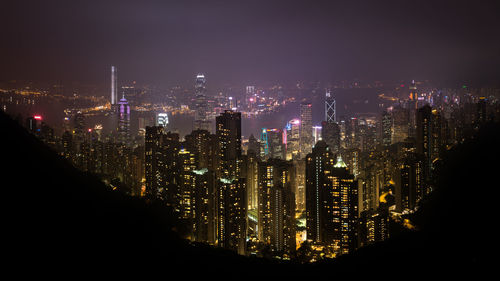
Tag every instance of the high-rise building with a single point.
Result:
(331, 201)
(204, 146)
(386, 130)
(400, 123)
(186, 167)
(374, 226)
(331, 135)
(272, 144)
(276, 210)
(300, 184)
(202, 202)
(250, 91)
(79, 130)
(228, 131)
(114, 86)
(231, 215)
(231, 202)
(412, 106)
(424, 139)
(124, 122)
(429, 140)
(292, 139)
(67, 143)
(306, 136)
(154, 160)
(481, 113)
(319, 160)
(408, 182)
(162, 119)
(201, 105)
(352, 136)
(341, 191)
(250, 173)
(164, 167)
(250, 97)
(330, 108)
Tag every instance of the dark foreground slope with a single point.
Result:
(58, 220)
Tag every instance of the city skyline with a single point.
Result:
(304, 138)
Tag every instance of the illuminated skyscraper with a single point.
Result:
(386, 129)
(163, 166)
(204, 146)
(250, 91)
(67, 143)
(330, 108)
(341, 191)
(114, 86)
(201, 105)
(408, 182)
(331, 201)
(79, 130)
(276, 211)
(272, 144)
(231, 215)
(481, 113)
(202, 202)
(162, 119)
(424, 138)
(374, 226)
(292, 139)
(231, 208)
(250, 164)
(412, 110)
(330, 131)
(306, 134)
(154, 161)
(186, 177)
(124, 122)
(319, 160)
(250, 98)
(400, 124)
(228, 131)
(428, 140)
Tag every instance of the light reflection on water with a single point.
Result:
(349, 102)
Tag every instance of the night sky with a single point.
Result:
(168, 42)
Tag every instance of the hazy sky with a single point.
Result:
(166, 42)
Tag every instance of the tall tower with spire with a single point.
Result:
(201, 104)
(114, 86)
(330, 132)
(330, 108)
(124, 121)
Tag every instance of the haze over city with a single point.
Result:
(165, 42)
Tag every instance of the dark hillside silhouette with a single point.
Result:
(57, 219)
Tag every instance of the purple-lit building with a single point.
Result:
(292, 139)
(124, 122)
